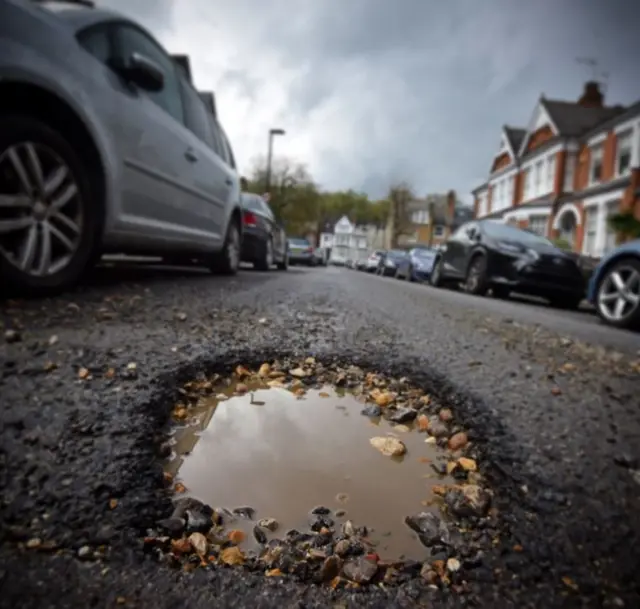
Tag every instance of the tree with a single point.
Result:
(626, 225)
(400, 197)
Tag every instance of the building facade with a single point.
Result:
(563, 176)
(348, 242)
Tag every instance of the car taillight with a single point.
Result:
(249, 219)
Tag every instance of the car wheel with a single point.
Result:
(50, 210)
(435, 279)
(476, 281)
(266, 261)
(409, 276)
(618, 295)
(501, 291)
(283, 265)
(227, 261)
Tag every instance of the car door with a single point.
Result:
(278, 236)
(211, 183)
(151, 141)
(465, 244)
(451, 253)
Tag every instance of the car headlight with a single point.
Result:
(533, 254)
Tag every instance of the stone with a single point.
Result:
(330, 568)
(348, 530)
(12, 336)
(470, 500)
(403, 415)
(453, 565)
(389, 446)
(319, 522)
(199, 521)
(430, 528)
(84, 553)
(371, 411)
(259, 535)
(445, 415)
(174, 527)
(271, 524)
(245, 512)
(360, 569)
(342, 547)
(199, 543)
(458, 441)
(437, 428)
(321, 510)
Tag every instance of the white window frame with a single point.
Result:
(550, 173)
(542, 219)
(626, 137)
(597, 154)
(438, 230)
(610, 208)
(591, 213)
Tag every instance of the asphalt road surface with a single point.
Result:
(550, 396)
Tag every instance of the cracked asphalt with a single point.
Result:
(550, 397)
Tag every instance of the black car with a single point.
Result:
(388, 262)
(488, 255)
(264, 242)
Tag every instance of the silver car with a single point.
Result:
(105, 147)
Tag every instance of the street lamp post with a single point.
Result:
(272, 133)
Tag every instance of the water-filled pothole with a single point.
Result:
(335, 469)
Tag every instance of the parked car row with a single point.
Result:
(106, 146)
(491, 257)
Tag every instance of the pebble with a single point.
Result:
(458, 441)
(371, 411)
(330, 568)
(12, 336)
(437, 428)
(360, 570)
(84, 552)
(271, 524)
(453, 565)
(403, 415)
(342, 547)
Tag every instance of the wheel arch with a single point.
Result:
(32, 100)
(602, 272)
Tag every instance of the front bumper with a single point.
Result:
(543, 277)
(421, 274)
(301, 258)
(389, 271)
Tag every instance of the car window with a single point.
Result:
(302, 242)
(129, 39)
(267, 209)
(461, 232)
(498, 230)
(229, 158)
(217, 139)
(97, 41)
(252, 202)
(196, 115)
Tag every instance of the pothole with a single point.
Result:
(321, 473)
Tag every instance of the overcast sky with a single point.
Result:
(373, 91)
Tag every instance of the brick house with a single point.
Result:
(434, 217)
(567, 172)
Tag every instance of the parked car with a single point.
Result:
(373, 261)
(389, 261)
(105, 146)
(361, 265)
(417, 265)
(300, 252)
(264, 241)
(614, 287)
(488, 255)
(320, 256)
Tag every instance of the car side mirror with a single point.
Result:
(141, 71)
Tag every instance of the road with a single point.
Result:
(561, 443)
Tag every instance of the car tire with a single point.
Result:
(435, 278)
(283, 265)
(476, 281)
(409, 276)
(227, 261)
(631, 317)
(265, 262)
(72, 229)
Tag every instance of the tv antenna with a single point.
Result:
(597, 75)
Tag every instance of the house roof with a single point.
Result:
(515, 135)
(572, 119)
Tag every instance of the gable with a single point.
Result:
(541, 128)
(343, 225)
(501, 161)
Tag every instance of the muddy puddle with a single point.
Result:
(283, 455)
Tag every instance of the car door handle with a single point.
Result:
(191, 155)
(228, 182)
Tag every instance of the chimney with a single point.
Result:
(592, 96)
(451, 205)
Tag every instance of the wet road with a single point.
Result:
(552, 396)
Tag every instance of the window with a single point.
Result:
(97, 42)
(551, 173)
(527, 184)
(197, 118)
(569, 172)
(590, 230)
(129, 40)
(623, 153)
(537, 186)
(228, 157)
(438, 230)
(510, 186)
(538, 225)
(610, 236)
(595, 170)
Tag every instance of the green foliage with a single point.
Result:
(302, 207)
(626, 225)
(562, 243)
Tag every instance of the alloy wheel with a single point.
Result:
(233, 247)
(473, 277)
(619, 294)
(41, 215)
(269, 255)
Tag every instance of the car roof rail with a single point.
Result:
(87, 3)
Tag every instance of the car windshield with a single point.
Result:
(299, 242)
(497, 230)
(396, 254)
(252, 202)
